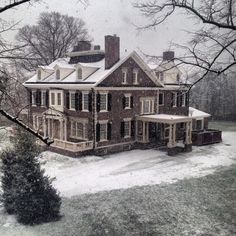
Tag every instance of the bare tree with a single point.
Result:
(213, 47)
(52, 36)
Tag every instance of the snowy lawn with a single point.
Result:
(136, 168)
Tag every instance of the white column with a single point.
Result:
(49, 127)
(174, 135)
(61, 129)
(188, 133)
(44, 127)
(170, 145)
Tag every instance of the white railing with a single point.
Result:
(73, 147)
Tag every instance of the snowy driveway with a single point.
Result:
(138, 167)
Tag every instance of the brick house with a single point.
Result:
(96, 101)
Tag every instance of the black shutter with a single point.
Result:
(98, 132)
(109, 102)
(109, 131)
(38, 98)
(67, 100)
(181, 99)
(30, 97)
(178, 99)
(47, 99)
(98, 102)
(76, 101)
(132, 128)
(80, 101)
(172, 99)
(122, 129)
(187, 99)
(90, 99)
(123, 102)
(131, 102)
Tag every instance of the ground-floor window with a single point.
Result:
(103, 131)
(79, 129)
(127, 128)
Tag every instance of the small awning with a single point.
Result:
(164, 118)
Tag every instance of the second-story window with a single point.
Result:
(135, 76)
(103, 102)
(183, 99)
(174, 99)
(147, 106)
(124, 75)
(53, 99)
(127, 101)
(59, 99)
(43, 98)
(34, 97)
(85, 101)
(72, 100)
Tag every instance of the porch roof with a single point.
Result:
(164, 118)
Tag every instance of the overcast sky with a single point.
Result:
(104, 17)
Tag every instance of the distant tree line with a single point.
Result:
(216, 95)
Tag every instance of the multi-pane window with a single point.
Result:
(135, 76)
(147, 106)
(174, 99)
(43, 98)
(103, 102)
(127, 101)
(161, 98)
(79, 129)
(85, 101)
(127, 128)
(34, 97)
(103, 131)
(124, 76)
(59, 99)
(72, 100)
(52, 99)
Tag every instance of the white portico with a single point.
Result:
(169, 132)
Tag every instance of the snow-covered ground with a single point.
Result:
(136, 168)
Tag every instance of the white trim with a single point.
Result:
(135, 76)
(124, 78)
(33, 98)
(71, 92)
(104, 93)
(183, 100)
(128, 121)
(128, 96)
(174, 99)
(103, 122)
(43, 92)
(151, 101)
(83, 93)
(77, 121)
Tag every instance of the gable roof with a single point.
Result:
(195, 113)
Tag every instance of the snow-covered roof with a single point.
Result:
(195, 113)
(164, 118)
(96, 74)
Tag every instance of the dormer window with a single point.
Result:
(79, 73)
(124, 75)
(178, 78)
(58, 74)
(39, 74)
(135, 76)
(161, 76)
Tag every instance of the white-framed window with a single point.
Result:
(72, 100)
(178, 78)
(103, 101)
(161, 98)
(103, 131)
(79, 129)
(135, 76)
(85, 101)
(43, 98)
(34, 97)
(53, 99)
(174, 97)
(59, 99)
(183, 99)
(147, 106)
(127, 101)
(124, 75)
(162, 76)
(39, 74)
(127, 128)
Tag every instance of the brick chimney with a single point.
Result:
(112, 50)
(168, 55)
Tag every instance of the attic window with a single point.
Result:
(58, 74)
(135, 76)
(79, 73)
(39, 74)
(124, 75)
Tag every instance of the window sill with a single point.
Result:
(127, 136)
(103, 140)
(127, 108)
(103, 111)
(85, 110)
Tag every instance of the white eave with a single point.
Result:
(197, 114)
